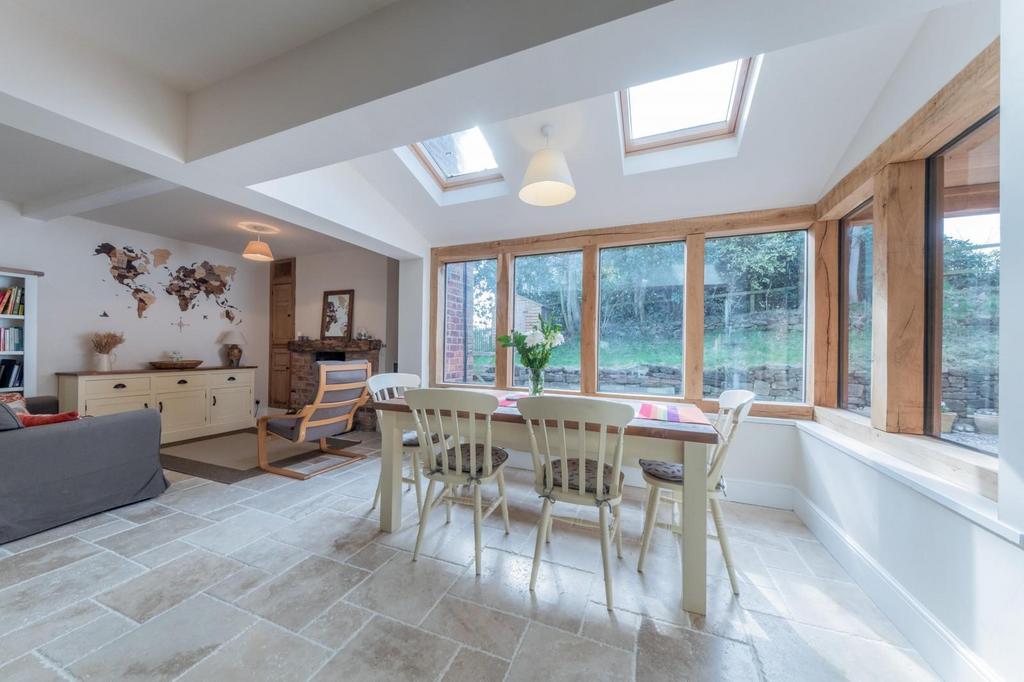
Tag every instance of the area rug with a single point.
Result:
(231, 457)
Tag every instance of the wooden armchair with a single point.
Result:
(341, 390)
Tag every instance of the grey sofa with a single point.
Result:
(54, 474)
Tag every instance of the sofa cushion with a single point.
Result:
(44, 419)
(8, 418)
(10, 397)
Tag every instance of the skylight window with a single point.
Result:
(695, 106)
(458, 159)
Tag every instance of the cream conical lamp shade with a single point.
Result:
(547, 181)
(257, 250)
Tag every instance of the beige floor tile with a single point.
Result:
(549, 653)
(86, 639)
(104, 531)
(164, 553)
(29, 668)
(765, 519)
(362, 487)
(20, 642)
(405, 589)
(162, 588)
(290, 494)
(372, 557)
(203, 499)
(263, 652)
(453, 542)
(337, 625)
(784, 560)
(478, 626)
(504, 584)
(616, 628)
(143, 512)
(270, 555)
(475, 666)
(667, 652)
(236, 532)
(153, 534)
(57, 533)
(239, 584)
(166, 646)
(388, 650)
(820, 561)
(225, 512)
(792, 651)
(329, 533)
(33, 562)
(303, 592)
(263, 483)
(33, 599)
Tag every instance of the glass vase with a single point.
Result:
(536, 381)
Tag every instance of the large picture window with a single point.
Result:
(551, 285)
(469, 334)
(964, 308)
(640, 343)
(754, 315)
(855, 294)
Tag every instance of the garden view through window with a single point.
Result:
(551, 284)
(965, 241)
(754, 315)
(856, 294)
(640, 342)
(469, 333)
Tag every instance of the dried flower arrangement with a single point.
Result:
(105, 342)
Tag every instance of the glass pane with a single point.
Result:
(460, 153)
(640, 344)
(685, 101)
(754, 315)
(969, 409)
(469, 333)
(551, 285)
(857, 282)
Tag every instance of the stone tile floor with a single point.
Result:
(291, 580)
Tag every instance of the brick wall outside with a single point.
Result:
(455, 318)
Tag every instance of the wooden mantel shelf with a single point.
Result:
(315, 345)
(200, 368)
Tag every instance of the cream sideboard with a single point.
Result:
(192, 403)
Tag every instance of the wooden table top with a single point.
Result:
(646, 428)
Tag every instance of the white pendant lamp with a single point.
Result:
(547, 181)
(257, 249)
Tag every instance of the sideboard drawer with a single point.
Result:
(178, 382)
(100, 407)
(111, 388)
(240, 378)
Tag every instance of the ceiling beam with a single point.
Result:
(131, 185)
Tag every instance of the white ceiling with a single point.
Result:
(33, 168)
(808, 104)
(190, 44)
(194, 217)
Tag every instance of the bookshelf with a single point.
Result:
(18, 330)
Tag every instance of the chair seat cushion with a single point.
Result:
(411, 440)
(673, 473)
(498, 457)
(590, 474)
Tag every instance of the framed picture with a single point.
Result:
(337, 315)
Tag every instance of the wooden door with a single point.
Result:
(282, 314)
(282, 329)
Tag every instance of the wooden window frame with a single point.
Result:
(687, 136)
(447, 184)
(843, 305)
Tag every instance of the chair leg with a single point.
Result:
(606, 551)
(376, 495)
(477, 523)
(550, 529)
(617, 512)
(650, 521)
(504, 501)
(423, 519)
(449, 492)
(542, 528)
(416, 478)
(716, 514)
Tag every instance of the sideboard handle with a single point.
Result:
(145, 405)
(161, 404)
(231, 378)
(120, 386)
(215, 401)
(182, 381)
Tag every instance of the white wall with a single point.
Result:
(77, 288)
(351, 268)
(413, 316)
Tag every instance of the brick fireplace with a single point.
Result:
(303, 355)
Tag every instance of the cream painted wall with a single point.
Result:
(350, 268)
(77, 288)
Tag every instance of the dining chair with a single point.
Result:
(733, 408)
(341, 389)
(461, 419)
(387, 387)
(577, 445)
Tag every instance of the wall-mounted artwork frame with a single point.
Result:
(336, 315)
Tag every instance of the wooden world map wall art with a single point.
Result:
(135, 270)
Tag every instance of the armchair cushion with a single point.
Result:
(286, 428)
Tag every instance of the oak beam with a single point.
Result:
(825, 345)
(589, 321)
(693, 319)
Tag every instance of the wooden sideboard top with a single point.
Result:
(150, 371)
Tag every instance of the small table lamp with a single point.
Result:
(234, 340)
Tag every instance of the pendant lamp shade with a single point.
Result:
(258, 251)
(547, 181)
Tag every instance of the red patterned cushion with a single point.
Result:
(10, 397)
(43, 419)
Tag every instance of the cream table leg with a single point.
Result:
(695, 546)
(391, 473)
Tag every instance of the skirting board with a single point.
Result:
(948, 656)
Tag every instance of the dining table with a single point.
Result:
(689, 443)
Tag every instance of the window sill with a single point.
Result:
(976, 508)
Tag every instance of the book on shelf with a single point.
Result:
(12, 338)
(12, 301)
(10, 373)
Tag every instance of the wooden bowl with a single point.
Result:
(175, 364)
